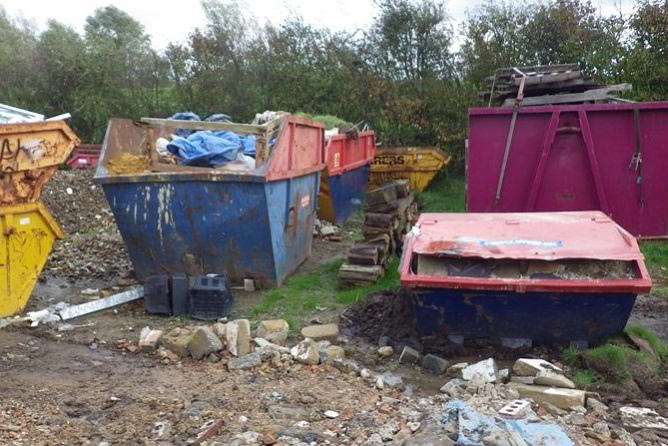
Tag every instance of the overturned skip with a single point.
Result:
(63, 312)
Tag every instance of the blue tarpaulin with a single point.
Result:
(472, 427)
(211, 149)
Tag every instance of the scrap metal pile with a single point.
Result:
(391, 211)
(547, 84)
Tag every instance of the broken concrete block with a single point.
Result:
(549, 378)
(306, 352)
(204, 342)
(274, 330)
(320, 332)
(455, 371)
(515, 409)
(435, 364)
(245, 362)
(333, 353)
(238, 337)
(522, 379)
(454, 388)
(634, 418)
(149, 339)
(386, 351)
(221, 330)
(562, 398)
(503, 375)
(486, 369)
(177, 340)
(531, 367)
(263, 343)
(409, 356)
(392, 380)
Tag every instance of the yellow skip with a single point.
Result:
(28, 233)
(418, 165)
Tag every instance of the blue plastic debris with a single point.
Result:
(472, 427)
(219, 117)
(211, 149)
(184, 116)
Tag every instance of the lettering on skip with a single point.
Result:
(389, 160)
(9, 156)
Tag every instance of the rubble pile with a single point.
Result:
(92, 247)
(532, 402)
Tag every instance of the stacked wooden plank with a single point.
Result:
(546, 84)
(390, 212)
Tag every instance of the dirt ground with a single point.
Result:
(82, 386)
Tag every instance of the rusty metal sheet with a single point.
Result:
(532, 236)
(548, 236)
(29, 156)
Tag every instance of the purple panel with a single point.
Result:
(571, 170)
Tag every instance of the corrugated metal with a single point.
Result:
(529, 236)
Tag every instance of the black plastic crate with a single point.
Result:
(210, 298)
(156, 295)
(180, 285)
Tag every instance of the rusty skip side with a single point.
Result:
(524, 236)
(29, 156)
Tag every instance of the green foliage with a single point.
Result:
(654, 341)
(584, 379)
(329, 120)
(656, 256)
(400, 75)
(570, 356)
(445, 194)
(303, 294)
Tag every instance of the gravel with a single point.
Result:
(92, 247)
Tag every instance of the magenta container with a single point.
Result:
(573, 158)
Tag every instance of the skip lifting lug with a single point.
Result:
(636, 161)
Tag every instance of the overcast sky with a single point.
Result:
(169, 20)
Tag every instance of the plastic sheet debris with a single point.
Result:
(211, 149)
(63, 311)
(472, 427)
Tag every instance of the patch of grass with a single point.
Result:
(656, 258)
(329, 120)
(654, 341)
(445, 194)
(303, 294)
(584, 379)
(570, 356)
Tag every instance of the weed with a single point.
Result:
(610, 360)
(657, 344)
(570, 356)
(445, 194)
(303, 294)
(584, 379)
(656, 255)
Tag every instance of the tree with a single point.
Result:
(17, 53)
(122, 74)
(410, 40)
(647, 63)
(502, 34)
(60, 64)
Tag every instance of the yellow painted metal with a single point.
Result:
(325, 204)
(418, 165)
(29, 156)
(28, 232)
